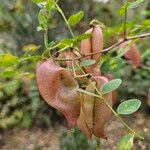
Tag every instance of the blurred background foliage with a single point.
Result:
(21, 46)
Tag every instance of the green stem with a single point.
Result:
(65, 19)
(46, 39)
(125, 22)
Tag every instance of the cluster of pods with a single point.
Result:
(59, 88)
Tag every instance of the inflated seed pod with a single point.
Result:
(82, 123)
(97, 42)
(102, 112)
(88, 106)
(59, 89)
(133, 54)
(86, 48)
(86, 45)
(148, 98)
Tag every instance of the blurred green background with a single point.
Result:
(21, 106)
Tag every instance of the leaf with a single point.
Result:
(122, 10)
(111, 86)
(38, 1)
(50, 5)
(8, 74)
(129, 5)
(112, 65)
(129, 106)
(43, 18)
(87, 62)
(126, 143)
(82, 37)
(30, 47)
(76, 18)
(135, 4)
(8, 60)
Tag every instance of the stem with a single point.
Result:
(46, 39)
(116, 114)
(65, 19)
(125, 22)
(109, 48)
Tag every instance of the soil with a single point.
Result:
(39, 139)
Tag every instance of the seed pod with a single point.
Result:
(133, 54)
(86, 48)
(148, 98)
(97, 42)
(86, 45)
(59, 89)
(102, 112)
(88, 106)
(82, 123)
(94, 110)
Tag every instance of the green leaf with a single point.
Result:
(126, 143)
(30, 47)
(44, 18)
(122, 10)
(135, 4)
(87, 62)
(112, 65)
(82, 37)
(50, 5)
(76, 18)
(8, 60)
(38, 1)
(8, 74)
(129, 106)
(111, 86)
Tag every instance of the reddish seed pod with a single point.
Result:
(133, 54)
(97, 42)
(82, 121)
(59, 89)
(88, 107)
(94, 110)
(102, 112)
(86, 45)
(148, 98)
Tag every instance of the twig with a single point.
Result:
(65, 19)
(109, 48)
(125, 22)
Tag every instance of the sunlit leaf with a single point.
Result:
(50, 5)
(126, 143)
(82, 37)
(8, 74)
(76, 18)
(30, 47)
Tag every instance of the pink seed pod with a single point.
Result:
(59, 89)
(97, 42)
(133, 54)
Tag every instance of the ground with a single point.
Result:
(39, 139)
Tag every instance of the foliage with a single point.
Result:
(18, 60)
